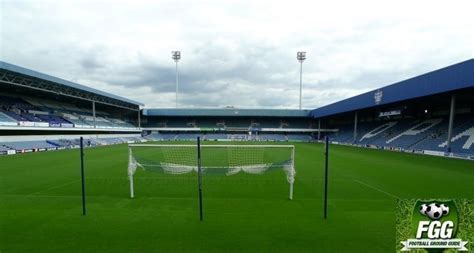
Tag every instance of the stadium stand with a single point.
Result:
(413, 115)
(215, 136)
(29, 145)
(19, 112)
(271, 137)
(415, 135)
(187, 136)
(231, 124)
(299, 137)
(228, 123)
(40, 112)
(31, 112)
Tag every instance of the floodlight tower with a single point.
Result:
(301, 56)
(176, 56)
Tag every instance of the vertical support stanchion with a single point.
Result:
(354, 140)
(130, 174)
(292, 172)
(452, 111)
(199, 177)
(82, 178)
(319, 129)
(132, 193)
(326, 156)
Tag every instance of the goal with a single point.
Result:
(225, 160)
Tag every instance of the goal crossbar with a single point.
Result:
(207, 146)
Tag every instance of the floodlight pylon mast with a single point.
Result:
(301, 56)
(176, 56)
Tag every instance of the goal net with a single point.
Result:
(225, 160)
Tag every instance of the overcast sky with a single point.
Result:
(236, 53)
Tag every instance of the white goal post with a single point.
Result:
(223, 160)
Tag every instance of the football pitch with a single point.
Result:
(40, 203)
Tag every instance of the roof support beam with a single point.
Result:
(44, 89)
(139, 119)
(452, 111)
(319, 127)
(355, 128)
(93, 113)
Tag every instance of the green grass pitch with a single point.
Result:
(40, 205)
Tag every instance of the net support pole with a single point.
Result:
(292, 174)
(130, 175)
(132, 193)
(326, 156)
(199, 177)
(82, 176)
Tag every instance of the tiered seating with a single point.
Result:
(29, 145)
(169, 136)
(39, 112)
(237, 137)
(272, 137)
(12, 103)
(187, 136)
(120, 123)
(55, 120)
(299, 137)
(215, 136)
(462, 139)
(13, 115)
(228, 123)
(153, 137)
(427, 134)
(76, 120)
(414, 134)
(464, 142)
(3, 149)
(439, 134)
(390, 133)
(64, 142)
(344, 135)
(6, 120)
(375, 131)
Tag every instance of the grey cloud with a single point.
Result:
(241, 55)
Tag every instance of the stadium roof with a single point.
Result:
(451, 78)
(227, 112)
(16, 75)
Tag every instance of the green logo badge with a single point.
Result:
(434, 227)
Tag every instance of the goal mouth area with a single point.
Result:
(178, 169)
(217, 159)
(223, 160)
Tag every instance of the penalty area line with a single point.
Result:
(376, 189)
(53, 188)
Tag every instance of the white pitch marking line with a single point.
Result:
(376, 188)
(54, 187)
(46, 196)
